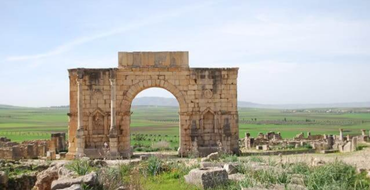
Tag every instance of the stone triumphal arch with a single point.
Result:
(100, 103)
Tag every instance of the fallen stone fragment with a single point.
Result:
(89, 179)
(207, 177)
(230, 168)
(45, 178)
(237, 177)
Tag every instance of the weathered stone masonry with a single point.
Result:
(100, 103)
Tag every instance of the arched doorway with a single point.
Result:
(154, 124)
(125, 120)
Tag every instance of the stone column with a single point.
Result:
(325, 136)
(363, 131)
(341, 134)
(80, 138)
(354, 144)
(330, 141)
(113, 135)
(188, 131)
(63, 141)
(53, 146)
(247, 141)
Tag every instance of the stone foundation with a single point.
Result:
(320, 143)
(31, 149)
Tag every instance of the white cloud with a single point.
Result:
(148, 20)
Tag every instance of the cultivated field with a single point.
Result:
(150, 125)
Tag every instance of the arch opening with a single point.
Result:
(154, 122)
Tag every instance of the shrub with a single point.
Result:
(307, 146)
(161, 145)
(336, 175)
(263, 177)
(81, 167)
(298, 168)
(109, 178)
(124, 170)
(229, 158)
(139, 149)
(270, 176)
(242, 168)
(255, 159)
(152, 167)
(113, 178)
(361, 147)
(139, 137)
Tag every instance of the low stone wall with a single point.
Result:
(31, 149)
(282, 152)
(274, 141)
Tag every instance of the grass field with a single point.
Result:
(161, 123)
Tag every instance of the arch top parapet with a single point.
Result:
(164, 59)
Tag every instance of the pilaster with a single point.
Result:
(80, 138)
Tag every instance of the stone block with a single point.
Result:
(207, 178)
(230, 168)
(50, 155)
(265, 147)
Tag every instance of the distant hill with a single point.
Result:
(4, 106)
(172, 102)
(155, 101)
(304, 106)
(159, 101)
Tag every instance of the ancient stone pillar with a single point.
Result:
(80, 139)
(363, 131)
(325, 136)
(247, 141)
(330, 141)
(247, 135)
(354, 144)
(113, 138)
(53, 143)
(63, 141)
(341, 134)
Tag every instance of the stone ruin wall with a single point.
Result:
(25, 150)
(33, 148)
(207, 97)
(321, 143)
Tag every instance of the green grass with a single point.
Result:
(21, 124)
(158, 173)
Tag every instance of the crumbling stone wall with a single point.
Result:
(25, 150)
(323, 143)
(100, 103)
(58, 142)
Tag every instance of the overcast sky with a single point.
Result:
(313, 51)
